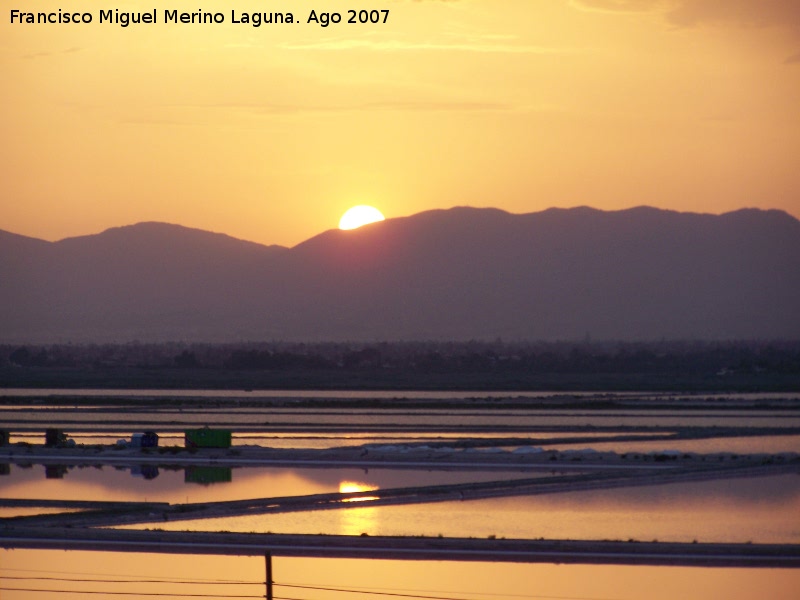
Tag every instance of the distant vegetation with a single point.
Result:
(409, 365)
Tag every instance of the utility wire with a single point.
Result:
(165, 579)
(481, 594)
(140, 594)
(168, 581)
(390, 592)
(418, 596)
(352, 591)
(418, 591)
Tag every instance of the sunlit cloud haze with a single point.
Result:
(271, 133)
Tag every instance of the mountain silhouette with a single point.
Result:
(462, 273)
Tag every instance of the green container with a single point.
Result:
(207, 438)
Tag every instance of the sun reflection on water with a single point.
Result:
(362, 520)
(349, 487)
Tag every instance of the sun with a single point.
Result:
(360, 215)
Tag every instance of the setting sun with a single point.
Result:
(360, 215)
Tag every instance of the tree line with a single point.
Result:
(750, 357)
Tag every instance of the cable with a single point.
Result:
(165, 579)
(353, 591)
(391, 592)
(399, 595)
(140, 594)
(169, 581)
(358, 589)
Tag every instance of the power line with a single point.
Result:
(140, 594)
(482, 594)
(387, 592)
(418, 596)
(394, 592)
(354, 591)
(408, 590)
(165, 579)
(168, 581)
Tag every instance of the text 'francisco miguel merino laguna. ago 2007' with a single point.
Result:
(198, 17)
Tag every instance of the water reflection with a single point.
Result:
(145, 471)
(208, 475)
(360, 520)
(759, 510)
(171, 483)
(755, 444)
(55, 471)
(350, 487)
(762, 509)
(244, 576)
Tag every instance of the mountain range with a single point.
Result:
(463, 273)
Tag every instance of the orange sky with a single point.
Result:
(270, 134)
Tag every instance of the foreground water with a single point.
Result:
(758, 510)
(762, 509)
(106, 575)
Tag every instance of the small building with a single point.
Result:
(54, 438)
(147, 439)
(207, 438)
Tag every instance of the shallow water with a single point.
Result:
(737, 445)
(244, 576)
(763, 509)
(177, 485)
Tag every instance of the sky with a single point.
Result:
(269, 134)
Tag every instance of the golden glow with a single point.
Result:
(360, 215)
(516, 104)
(348, 487)
(457, 579)
(364, 519)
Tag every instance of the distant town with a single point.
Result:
(766, 366)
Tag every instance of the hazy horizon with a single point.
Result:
(444, 209)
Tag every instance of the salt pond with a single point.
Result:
(345, 579)
(760, 509)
